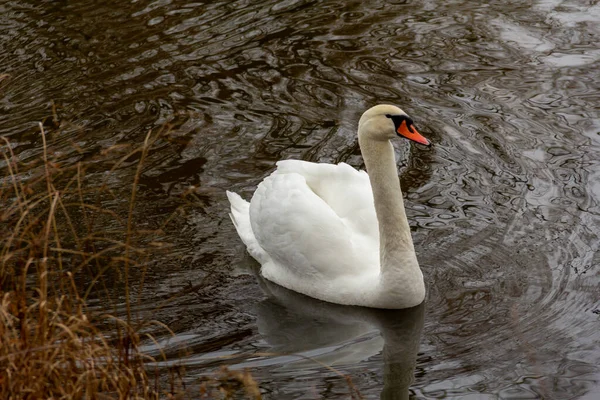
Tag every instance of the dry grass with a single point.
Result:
(60, 245)
(52, 346)
(227, 383)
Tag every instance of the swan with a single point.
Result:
(334, 233)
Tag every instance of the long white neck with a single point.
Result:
(397, 254)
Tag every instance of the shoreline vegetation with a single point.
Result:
(68, 233)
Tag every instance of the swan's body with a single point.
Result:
(334, 233)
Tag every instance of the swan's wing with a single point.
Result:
(312, 229)
(347, 191)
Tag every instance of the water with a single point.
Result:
(504, 207)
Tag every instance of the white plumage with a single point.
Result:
(314, 227)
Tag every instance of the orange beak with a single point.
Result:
(411, 133)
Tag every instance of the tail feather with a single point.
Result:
(240, 216)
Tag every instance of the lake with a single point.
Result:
(504, 207)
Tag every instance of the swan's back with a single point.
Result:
(308, 225)
(344, 189)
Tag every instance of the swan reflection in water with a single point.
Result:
(335, 335)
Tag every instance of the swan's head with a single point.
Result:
(385, 122)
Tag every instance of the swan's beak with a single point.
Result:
(409, 132)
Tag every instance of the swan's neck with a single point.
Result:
(397, 254)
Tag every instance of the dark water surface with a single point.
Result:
(504, 207)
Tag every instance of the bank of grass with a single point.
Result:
(60, 245)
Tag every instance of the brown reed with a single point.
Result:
(57, 244)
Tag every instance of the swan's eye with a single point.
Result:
(399, 119)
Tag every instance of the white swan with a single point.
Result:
(330, 232)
